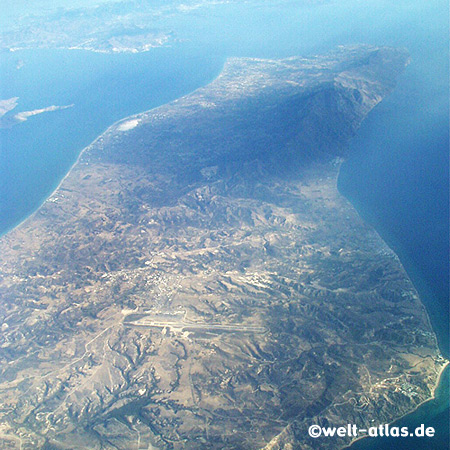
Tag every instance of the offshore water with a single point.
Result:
(36, 154)
(397, 175)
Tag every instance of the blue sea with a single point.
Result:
(396, 176)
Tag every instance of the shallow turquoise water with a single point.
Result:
(397, 176)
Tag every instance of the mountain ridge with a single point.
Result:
(183, 288)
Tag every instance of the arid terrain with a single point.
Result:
(198, 282)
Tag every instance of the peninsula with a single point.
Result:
(197, 281)
(8, 120)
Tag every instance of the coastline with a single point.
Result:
(113, 129)
(390, 247)
(447, 363)
(101, 135)
(420, 284)
(433, 397)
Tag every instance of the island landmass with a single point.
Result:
(198, 282)
(127, 26)
(8, 120)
